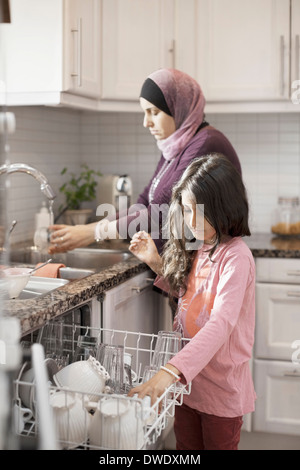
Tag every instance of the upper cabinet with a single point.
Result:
(82, 39)
(95, 54)
(137, 38)
(295, 40)
(240, 51)
(50, 52)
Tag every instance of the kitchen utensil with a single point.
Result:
(71, 417)
(112, 359)
(41, 265)
(52, 337)
(13, 224)
(84, 376)
(86, 347)
(117, 424)
(130, 375)
(167, 345)
(149, 371)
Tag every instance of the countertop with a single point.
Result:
(33, 313)
(265, 245)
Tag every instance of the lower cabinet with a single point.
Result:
(276, 373)
(277, 385)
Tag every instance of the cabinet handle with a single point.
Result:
(295, 374)
(172, 51)
(79, 51)
(281, 65)
(293, 294)
(139, 289)
(297, 52)
(293, 273)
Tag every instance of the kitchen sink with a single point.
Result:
(79, 263)
(38, 286)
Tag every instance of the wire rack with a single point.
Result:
(90, 427)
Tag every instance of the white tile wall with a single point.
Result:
(50, 138)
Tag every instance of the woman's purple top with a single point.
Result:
(208, 140)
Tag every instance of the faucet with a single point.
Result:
(23, 168)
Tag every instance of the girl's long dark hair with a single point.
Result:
(213, 181)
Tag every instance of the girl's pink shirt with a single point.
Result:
(218, 313)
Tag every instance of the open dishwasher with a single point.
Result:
(106, 420)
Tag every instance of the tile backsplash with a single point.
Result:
(268, 146)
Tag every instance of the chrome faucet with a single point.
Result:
(23, 168)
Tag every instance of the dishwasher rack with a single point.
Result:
(146, 431)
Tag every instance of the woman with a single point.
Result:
(215, 285)
(173, 106)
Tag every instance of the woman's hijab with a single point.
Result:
(184, 100)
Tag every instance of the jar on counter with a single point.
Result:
(286, 217)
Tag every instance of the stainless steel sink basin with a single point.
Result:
(79, 263)
(38, 286)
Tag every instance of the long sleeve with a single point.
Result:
(228, 306)
(218, 314)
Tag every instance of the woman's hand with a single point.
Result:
(144, 248)
(156, 386)
(68, 237)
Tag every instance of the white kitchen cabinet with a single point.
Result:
(137, 38)
(276, 377)
(277, 385)
(50, 53)
(82, 60)
(240, 50)
(295, 40)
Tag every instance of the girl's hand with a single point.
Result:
(144, 248)
(155, 387)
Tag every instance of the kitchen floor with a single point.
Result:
(252, 441)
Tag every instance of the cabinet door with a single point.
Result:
(295, 41)
(31, 51)
(132, 307)
(277, 320)
(277, 407)
(242, 49)
(82, 25)
(275, 270)
(137, 39)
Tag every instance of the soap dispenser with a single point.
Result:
(42, 218)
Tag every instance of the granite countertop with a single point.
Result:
(33, 313)
(267, 245)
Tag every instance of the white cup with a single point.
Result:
(83, 376)
(71, 418)
(21, 416)
(117, 424)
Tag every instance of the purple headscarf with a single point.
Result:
(186, 102)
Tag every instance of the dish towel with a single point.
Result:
(49, 270)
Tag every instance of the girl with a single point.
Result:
(215, 285)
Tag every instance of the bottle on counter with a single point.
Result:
(286, 217)
(42, 218)
(41, 234)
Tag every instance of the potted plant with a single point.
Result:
(78, 189)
